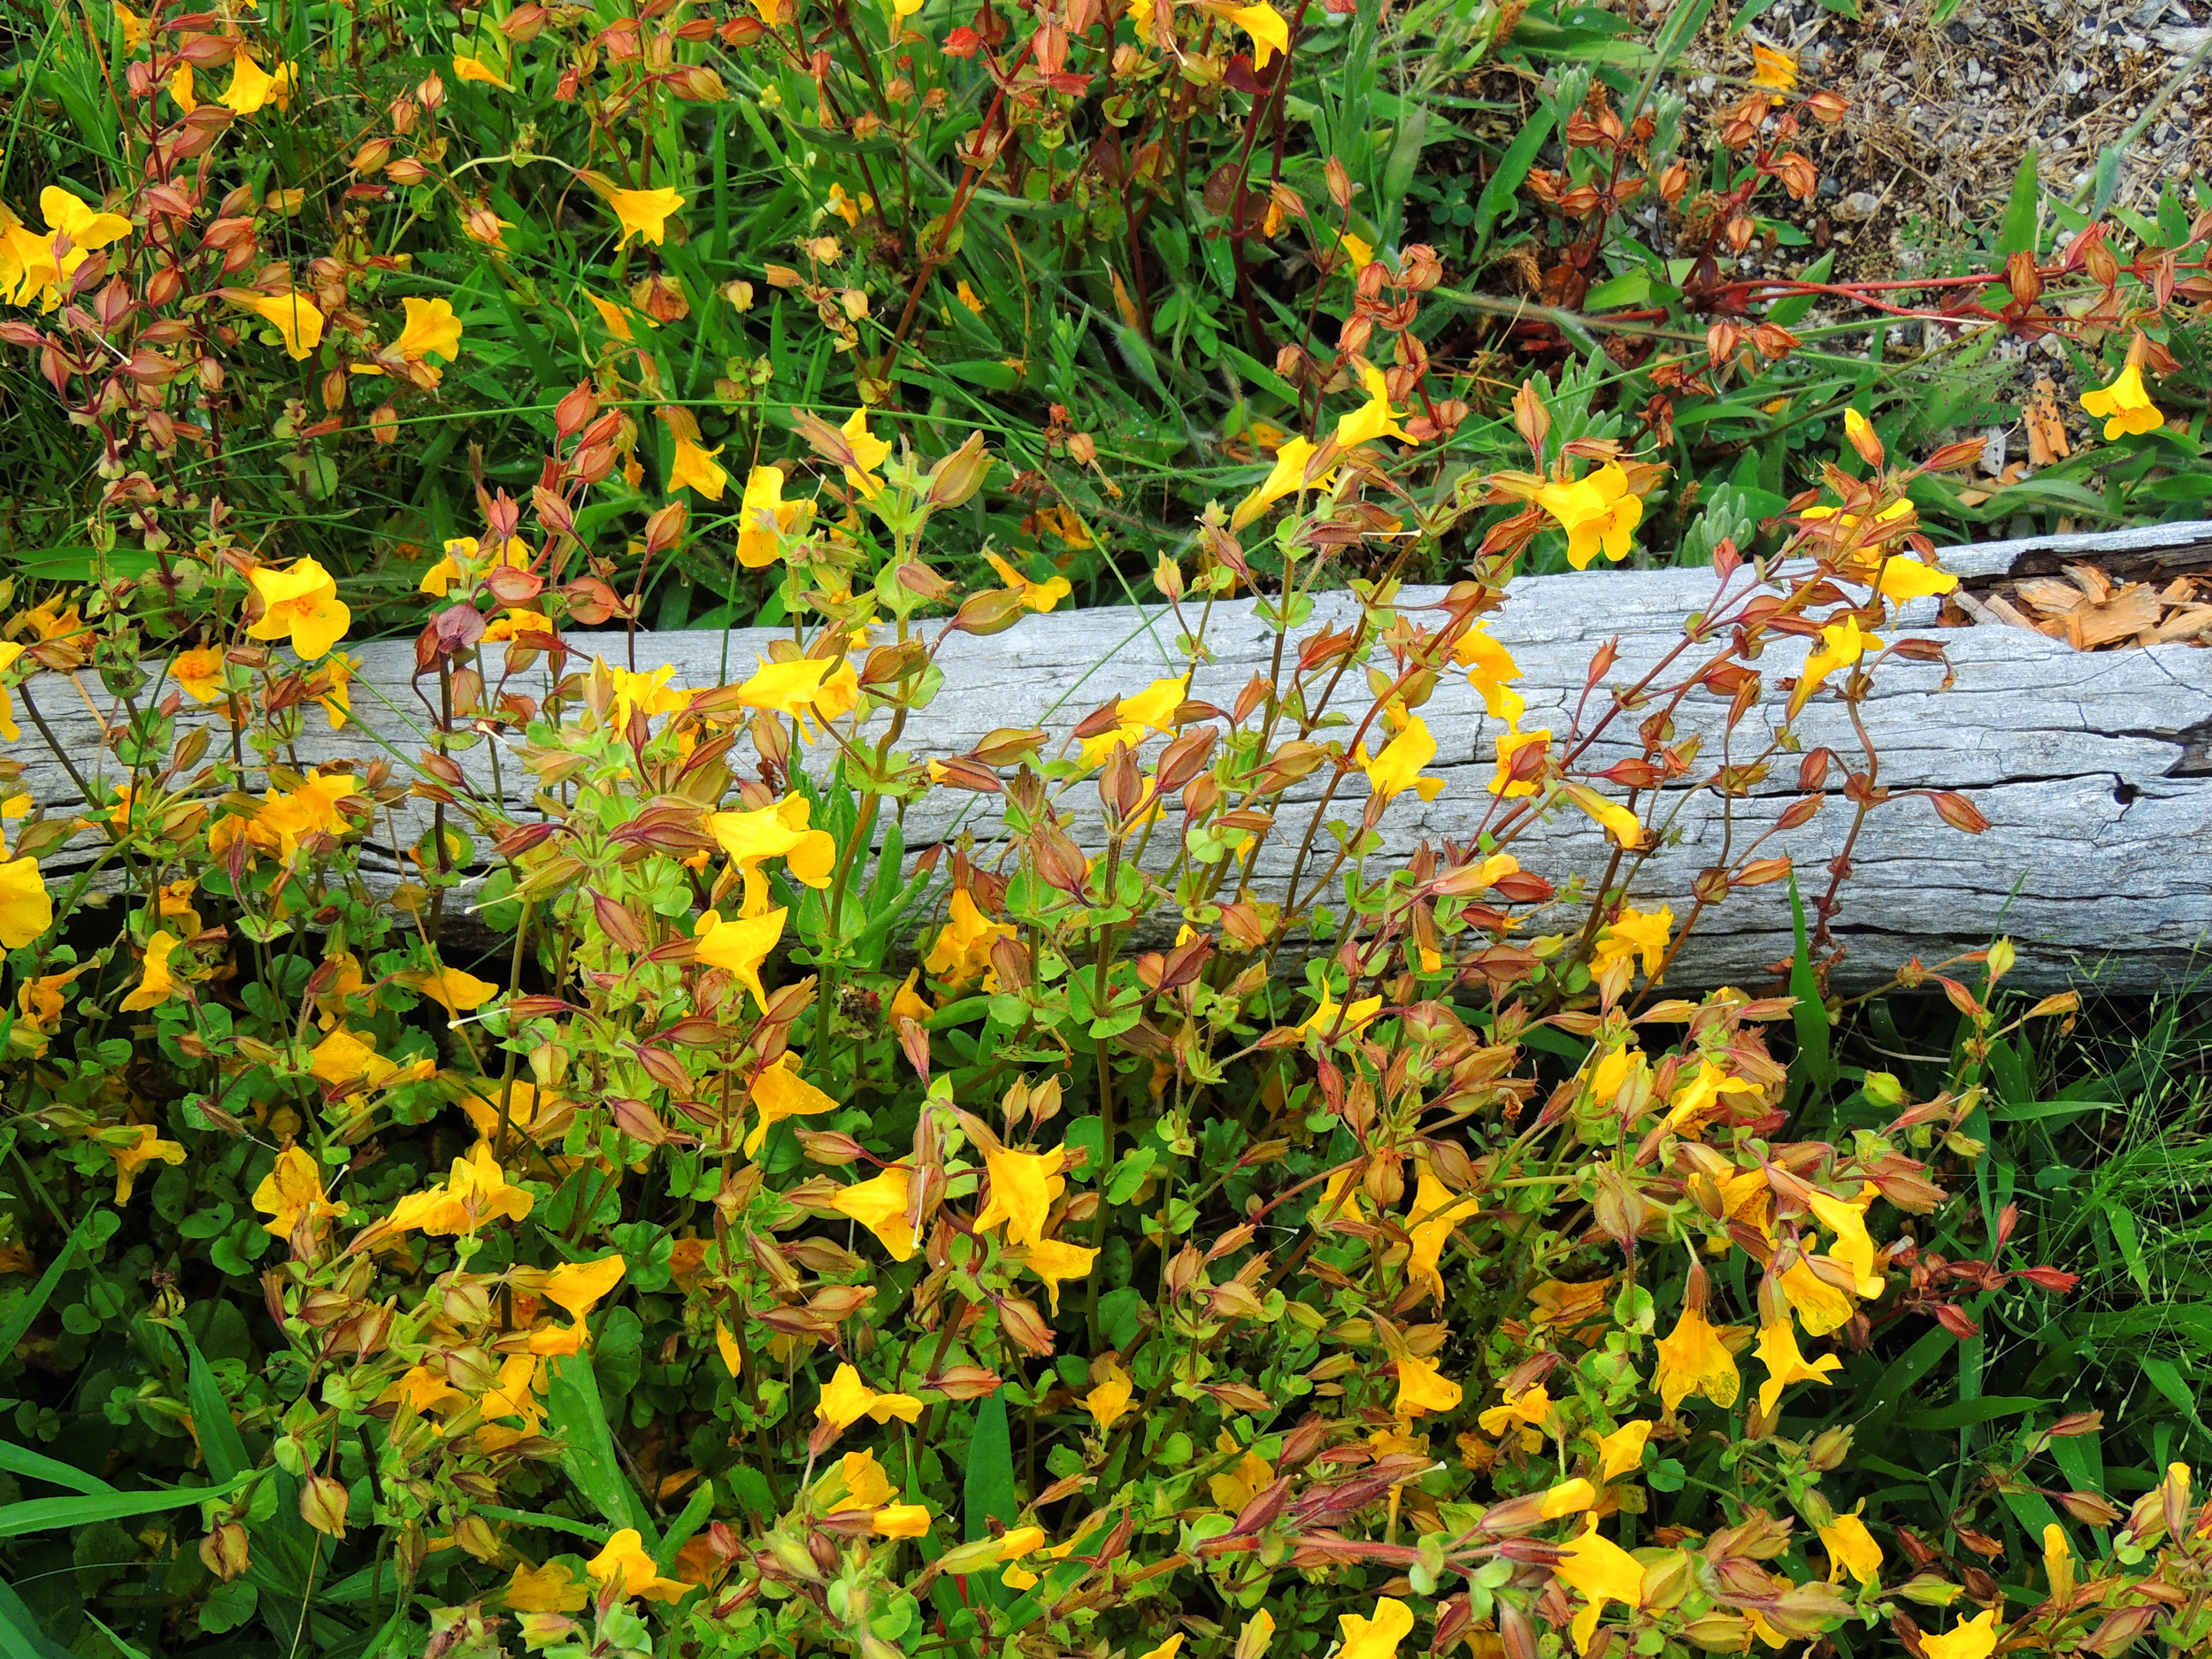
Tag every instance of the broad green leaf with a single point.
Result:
(18, 1460)
(2017, 234)
(46, 1515)
(573, 1412)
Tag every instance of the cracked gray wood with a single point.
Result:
(2092, 768)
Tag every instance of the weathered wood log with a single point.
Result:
(2094, 769)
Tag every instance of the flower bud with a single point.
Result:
(323, 1505)
(225, 1551)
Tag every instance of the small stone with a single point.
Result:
(1958, 34)
(1859, 204)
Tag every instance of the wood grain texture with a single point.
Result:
(2094, 769)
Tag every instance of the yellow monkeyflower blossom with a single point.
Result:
(1269, 32)
(1323, 1022)
(1024, 1185)
(817, 689)
(456, 992)
(625, 1565)
(1634, 933)
(1373, 419)
(1692, 1360)
(1851, 1549)
(695, 467)
(1841, 644)
(475, 1191)
(1107, 1402)
(1398, 767)
(1776, 71)
(869, 453)
(546, 1589)
(1288, 477)
(295, 317)
(901, 1520)
(779, 1093)
(1237, 1486)
(252, 87)
(1603, 1572)
(780, 831)
(2124, 406)
(881, 1205)
(1855, 1247)
(1509, 744)
(145, 1146)
(1423, 1387)
(846, 1400)
(1036, 596)
(764, 517)
(300, 603)
(1622, 1451)
(741, 948)
(294, 1188)
(1779, 1353)
(1377, 1636)
(26, 909)
(1597, 512)
(431, 329)
(468, 68)
(157, 983)
(962, 951)
(641, 212)
(577, 1287)
(1057, 1262)
(1975, 1639)
(1531, 1407)
(1436, 1211)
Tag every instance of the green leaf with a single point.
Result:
(694, 1516)
(19, 1632)
(1497, 196)
(45, 1515)
(19, 1323)
(2017, 233)
(1968, 1411)
(18, 1460)
(219, 1438)
(574, 1412)
(988, 1492)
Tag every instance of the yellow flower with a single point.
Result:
(1436, 1211)
(180, 89)
(1287, 478)
(846, 1400)
(1023, 1187)
(300, 601)
(1375, 419)
(9, 652)
(1903, 578)
(431, 327)
(625, 1565)
(866, 1486)
(1597, 512)
(251, 87)
(475, 1191)
(1509, 744)
(1841, 644)
(463, 558)
(26, 909)
(764, 518)
(133, 27)
(1855, 1247)
(696, 468)
(1779, 1353)
(156, 985)
(1692, 1360)
(2125, 405)
(454, 991)
(1108, 1402)
(741, 946)
(1622, 1450)
(294, 1186)
(1270, 34)
(1363, 252)
(1322, 1021)
(901, 1520)
(1243, 1480)
(725, 1345)
(617, 319)
(294, 316)
(780, 1092)
(1398, 767)
(1776, 72)
(2058, 1560)
(1039, 596)
(145, 1147)
(85, 228)
(1975, 1639)
(780, 831)
(1055, 1263)
(467, 68)
(1423, 1387)
(578, 1287)
(1702, 1093)
(546, 1589)
(642, 212)
(962, 949)
(869, 453)
(1634, 932)
(820, 688)
(1610, 816)
(1375, 1637)
(1532, 1406)
(1822, 1306)
(1851, 1549)
(1603, 1572)
(906, 1002)
(968, 297)
(880, 1206)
